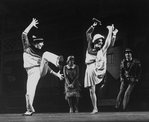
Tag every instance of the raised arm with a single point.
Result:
(32, 24)
(25, 39)
(113, 37)
(89, 38)
(89, 32)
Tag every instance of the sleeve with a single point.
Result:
(89, 40)
(25, 40)
(138, 69)
(122, 71)
(112, 42)
(65, 76)
(77, 75)
(89, 33)
(91, 51)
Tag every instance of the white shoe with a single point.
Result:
(94, 111)
(115, 32)
(76, 111)
(71, 110)
(60, 61)
(28, 113)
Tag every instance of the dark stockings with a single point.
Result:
(73, 103)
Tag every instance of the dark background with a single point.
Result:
(62, 24)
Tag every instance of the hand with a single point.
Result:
(132, 79)
(34, 22)
(94, 24)
(111, 27)
(122, 80)
(60, 76)
(71, 85)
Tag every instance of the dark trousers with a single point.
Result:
(124, 94)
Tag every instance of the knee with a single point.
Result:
(127, 94)
(27, 96)
(44, 59)
(45, 54)
(92, 92)
(120, 92)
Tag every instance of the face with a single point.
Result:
(128, 55)
(71, 62)
(39, 45)
(99, 44)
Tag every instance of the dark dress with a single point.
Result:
(71, 75)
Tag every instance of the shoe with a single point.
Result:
(124, 110)
(28, 113)
(115, 32)
(116, 106)
(76, 111)
(60, 62)
(117, 109)
(70, 111)
(95, 111)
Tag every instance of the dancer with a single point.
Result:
(96, 59)
(130, 70)
(36, 64)
(72, 85)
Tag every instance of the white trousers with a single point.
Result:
(34, 74)
(32, 81)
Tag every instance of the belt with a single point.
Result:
(32, 67)
(90, 62)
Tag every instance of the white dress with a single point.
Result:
(96, 70)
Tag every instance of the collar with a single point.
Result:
(129, 60)
(73, 66)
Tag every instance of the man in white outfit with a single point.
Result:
(36, 64)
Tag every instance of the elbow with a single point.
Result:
(24, 33)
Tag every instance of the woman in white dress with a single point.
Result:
(96, 60)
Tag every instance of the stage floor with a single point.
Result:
(78, 117)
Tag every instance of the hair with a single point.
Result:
(97, 40)
(70, 58)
